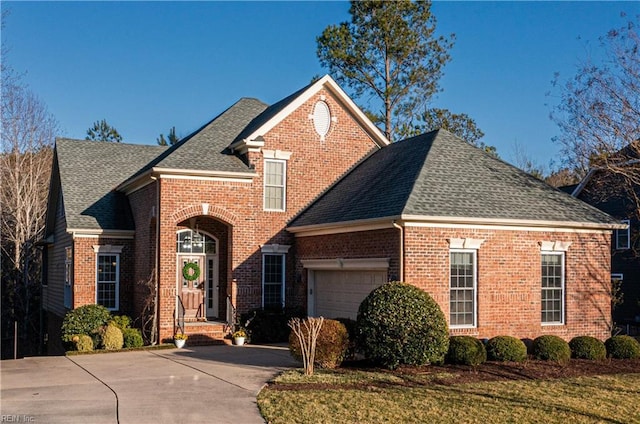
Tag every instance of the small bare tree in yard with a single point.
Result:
(307, 331)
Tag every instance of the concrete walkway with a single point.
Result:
(215, 384)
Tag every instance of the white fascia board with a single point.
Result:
(337, 264)
(148, 177)
(255, 138)
(529, 225)
(452, 222)
(342, 227)
(89, 233)
(576, 191)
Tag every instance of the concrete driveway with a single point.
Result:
(215, 384)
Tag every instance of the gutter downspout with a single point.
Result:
(156, 324)
(401, 228)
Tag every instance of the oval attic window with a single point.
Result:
(321, 119)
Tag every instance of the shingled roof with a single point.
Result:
(439, 176)
(89, 172)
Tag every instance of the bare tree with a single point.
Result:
(27, 134)
(307, 332)
(599, 112)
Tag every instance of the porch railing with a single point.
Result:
(180, 314)
(231, 315)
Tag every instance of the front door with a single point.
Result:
(191, 286)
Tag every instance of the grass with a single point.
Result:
(370, 397)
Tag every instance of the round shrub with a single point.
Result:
(466, 350)
(506, 348)
(350, 325)
(82, 343)
(112, 338)
(331, 345)
(622, 347)
(400, 324)
(587, 347)
(132, 337)
(86, 319)
(121, 321)
(269, 325)
(551, 348)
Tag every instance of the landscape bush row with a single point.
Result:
(399, 324)
(93, 327)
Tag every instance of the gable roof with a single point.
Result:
(89, 172)
(251, 135)
(441, 178)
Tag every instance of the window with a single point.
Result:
(189, 241)
(273, 271)
(108, 271)
(553, 287)
(275, 177)
(623, 237)
(462, 290)
(68, 275)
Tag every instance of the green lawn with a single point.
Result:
(354, 396)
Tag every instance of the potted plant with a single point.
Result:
(239, 336)
(180, 339)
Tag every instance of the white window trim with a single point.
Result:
(68, 278)
(474, 252)
(617, 277)
(284, 185)
(628, 232)
(284, 273)
(563, 305)
(117, 295)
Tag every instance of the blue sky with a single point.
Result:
(147, 66)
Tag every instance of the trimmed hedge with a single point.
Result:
(112, 338)
(587, 347)
(506, 349)
(551, 348)
(622, 347)
(83, 343)
(466, 350)
(87, 319)
(401, 324)
(132, 337)
(331, 345)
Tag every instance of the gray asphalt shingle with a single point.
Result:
(439, 175)
(89, 173)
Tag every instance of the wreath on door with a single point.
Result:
(191, 271)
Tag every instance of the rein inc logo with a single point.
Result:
(17, 419)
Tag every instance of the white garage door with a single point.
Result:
(338, 294)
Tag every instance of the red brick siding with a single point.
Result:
(313, 166)
(55, 266)
(84, 272)
(509, 275)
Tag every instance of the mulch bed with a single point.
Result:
(489, 371)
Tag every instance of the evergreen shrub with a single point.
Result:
(506, 349)
(551, 348)
(587, 347)
(331, 345)
(466, 350)
(401, 324)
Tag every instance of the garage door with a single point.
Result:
(338, 294)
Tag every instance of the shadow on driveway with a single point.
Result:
(200, 384)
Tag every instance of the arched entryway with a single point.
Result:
(201, 268)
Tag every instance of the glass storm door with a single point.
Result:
(212, 287)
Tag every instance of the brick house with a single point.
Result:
(305, 203)
(607, 192)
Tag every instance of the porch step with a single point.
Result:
(205, 333)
